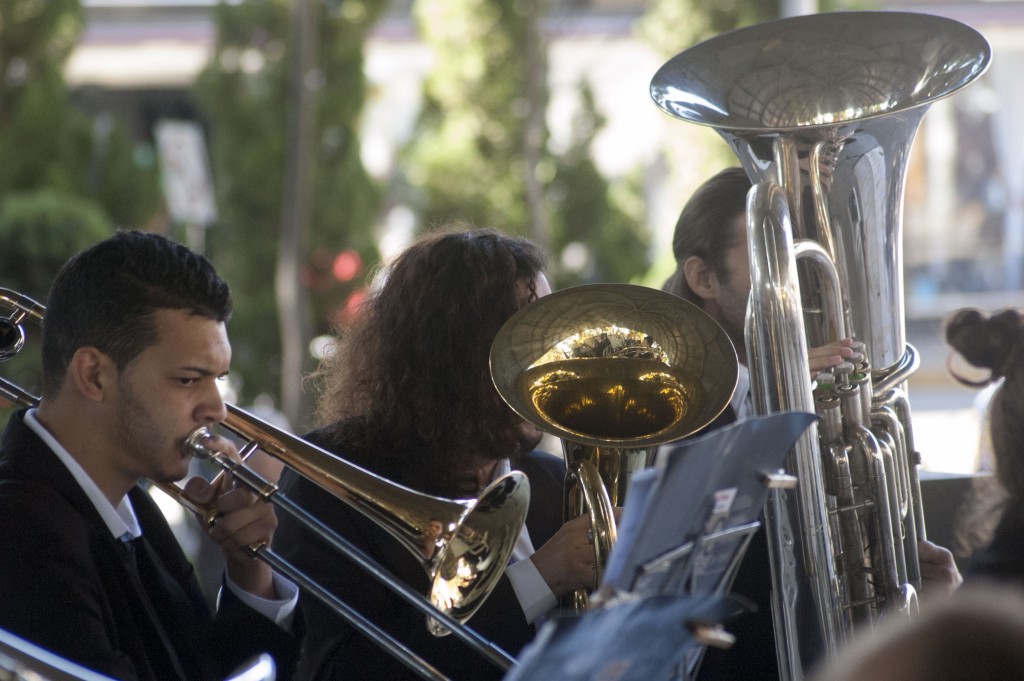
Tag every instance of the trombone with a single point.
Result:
(464, 563)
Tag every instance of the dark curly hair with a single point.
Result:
(996, 343)
(413, 369)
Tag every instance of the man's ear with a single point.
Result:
(91, 372)
(700, 277)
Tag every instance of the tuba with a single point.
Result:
(822, 111)
(613, 370)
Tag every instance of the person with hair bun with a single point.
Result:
(996, 343)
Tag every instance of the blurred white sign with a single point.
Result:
(185, 172)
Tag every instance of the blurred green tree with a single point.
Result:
(67, 179)
(598, 225)
(244, 92)
(481, 152)
(46, 141)
(466, 160)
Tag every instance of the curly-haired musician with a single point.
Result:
(407, 393)
(134, 342)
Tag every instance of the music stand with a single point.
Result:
(686, 524)
(702, 506)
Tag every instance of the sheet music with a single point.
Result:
(684, 527)
(699, 487)
(631, 640)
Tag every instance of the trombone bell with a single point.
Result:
(462, 544)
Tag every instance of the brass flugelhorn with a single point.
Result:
(464, 561)
(614, 371)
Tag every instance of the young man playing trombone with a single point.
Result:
(134, 342)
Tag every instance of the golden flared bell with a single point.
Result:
(614, 364)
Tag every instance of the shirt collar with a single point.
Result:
(740, 402)
(120, 520)
(503, 468)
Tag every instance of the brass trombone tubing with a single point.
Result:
(241, 423)
(270, 493)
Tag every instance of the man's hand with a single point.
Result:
(240, 519)
(566, 561)
(825, 357)
(939, 574)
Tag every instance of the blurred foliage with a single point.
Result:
(671, 26)
(466, 159)
(40, 231)
(469, 159)
(62, 170)
(597, 225)
(244, 95)
(36, 39)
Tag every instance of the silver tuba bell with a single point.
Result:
(822, 111)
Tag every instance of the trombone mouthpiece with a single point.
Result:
(193, 443)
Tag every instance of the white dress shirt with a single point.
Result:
(535, 598)
(741, 403)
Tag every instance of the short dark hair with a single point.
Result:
(106, 295)
(704, 227)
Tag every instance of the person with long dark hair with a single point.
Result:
(406, 392)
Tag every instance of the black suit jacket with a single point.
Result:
(334, 650)
(68, 586)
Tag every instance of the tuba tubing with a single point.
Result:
(821, 111)
(584, 476)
